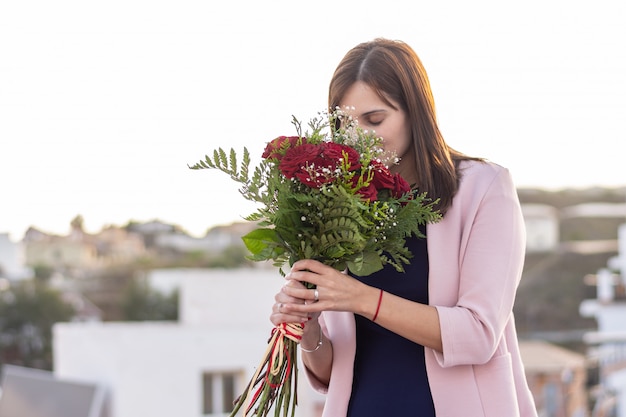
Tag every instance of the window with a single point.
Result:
(218, 392)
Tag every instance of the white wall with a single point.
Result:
(542, 227)
(237, 297)
(618, 262)
(155, 368)
(617, 382)
(12, 258)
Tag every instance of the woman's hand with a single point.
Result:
(281, 313)
(335, 291)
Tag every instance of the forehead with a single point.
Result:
(360, 98)
(359, 93)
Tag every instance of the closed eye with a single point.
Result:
(374, 118)
(373, 123)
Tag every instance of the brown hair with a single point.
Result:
(394, 71)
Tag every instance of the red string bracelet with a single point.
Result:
(380, 298)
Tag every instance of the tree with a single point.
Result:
(77, 223)
(141, 302)
(43, 272)
(28, 310)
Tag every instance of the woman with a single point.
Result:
(439, 339)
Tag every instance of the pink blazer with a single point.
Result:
(476, 255)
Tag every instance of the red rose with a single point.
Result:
(337, 152)
(277, 147)
(315, 165)
(382, 178)
(298, 158)
(369, 193)
(319, 170)
(400, 187)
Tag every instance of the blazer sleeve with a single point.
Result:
(491, 257)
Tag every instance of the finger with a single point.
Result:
(313, 296)
(310, 265)
(301, 276)
(293, 283)
(309, 310)
(287, 312)
(305, 295)
(284, 297)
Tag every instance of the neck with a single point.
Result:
(406, 167)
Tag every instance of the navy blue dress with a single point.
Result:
(389, 371)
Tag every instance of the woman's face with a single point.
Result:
(373, 114)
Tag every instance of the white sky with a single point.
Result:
(103, 104)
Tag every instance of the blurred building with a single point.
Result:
(61, 253)
(542, 227)
(12, 259)
(557, 378)
(194, 367)
(81, 251)
(117, 245)
(216, 239)
(607, 346)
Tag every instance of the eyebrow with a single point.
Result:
(373, 112)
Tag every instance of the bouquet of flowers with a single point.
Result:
(326, 194)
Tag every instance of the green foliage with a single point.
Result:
(251, 186)
(234, 256)
(28, 311)
(140, 302)
(330, 222)
(43, 272)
